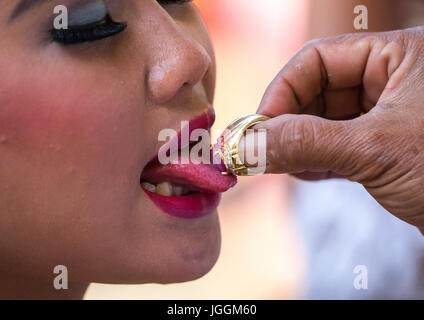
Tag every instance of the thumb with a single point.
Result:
(298, 143)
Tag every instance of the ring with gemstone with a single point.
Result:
(227, 146)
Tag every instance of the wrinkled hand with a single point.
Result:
(317, 131)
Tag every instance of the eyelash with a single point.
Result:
(97, 30)
(90, 32)
(165, 2)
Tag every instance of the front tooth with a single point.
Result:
(164, 189)
(149, 187)
(177, 191)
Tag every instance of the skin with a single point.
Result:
(77, 126)
(317, 131)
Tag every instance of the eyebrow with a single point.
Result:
(23, 6)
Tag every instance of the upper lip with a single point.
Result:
(204, 121)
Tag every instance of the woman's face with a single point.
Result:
(78, 125)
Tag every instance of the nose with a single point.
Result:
(178, 62)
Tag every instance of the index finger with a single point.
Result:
(327, 64)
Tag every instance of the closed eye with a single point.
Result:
(90, 32)
(92, 22)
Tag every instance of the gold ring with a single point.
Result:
(227, 146)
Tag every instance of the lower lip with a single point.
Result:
(191, 206)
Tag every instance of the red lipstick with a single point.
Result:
(199, 186)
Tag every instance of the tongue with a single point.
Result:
(200, 177)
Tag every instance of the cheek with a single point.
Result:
(75, 124)
(74, 118)
(70, 160)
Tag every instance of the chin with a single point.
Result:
(195, 262)
(179, 250)
(194, 254)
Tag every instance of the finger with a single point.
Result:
(316, 176)
(299, 143)
(334, 64)
(339, 104)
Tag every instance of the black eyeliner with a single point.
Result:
(89, 32)
(165, 2)
(97, 30)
